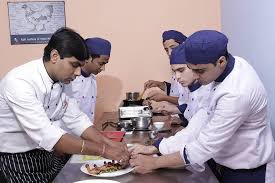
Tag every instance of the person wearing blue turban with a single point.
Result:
(192, 106)
(84, 87)
(236, 141)
(170, 39)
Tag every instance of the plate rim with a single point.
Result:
(84, 170)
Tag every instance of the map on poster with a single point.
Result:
(34, 22)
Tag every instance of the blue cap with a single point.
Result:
(173, 34)
(98, 46)
(205, 46)
(178, 55)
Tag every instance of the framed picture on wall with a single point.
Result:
(33, 22)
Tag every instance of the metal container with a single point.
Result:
(141, 123)
(126, 124)
(132, 96)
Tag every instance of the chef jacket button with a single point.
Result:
(61, 86)
(172, 91)
(92, 113)
(214, 89)
(50, 119)
(188, 110)
(82, 96)
(208, 113)
(82, 80)
(192, 99)
(181, 94)
(56, 104)
(92, 96)
(48, 106)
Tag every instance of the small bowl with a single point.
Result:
(158, 125)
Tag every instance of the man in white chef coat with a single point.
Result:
(84, 87)
(170, 40)
(194, 108)
(237, 136)
(32, 101)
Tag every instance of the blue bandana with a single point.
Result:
(205, 46)
(173, 34)
(178, 55)
(98, 46)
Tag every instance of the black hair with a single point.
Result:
(94, 56)
(226, 55)
(68, 43)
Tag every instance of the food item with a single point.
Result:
(108, 167)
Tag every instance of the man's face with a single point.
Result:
(67, 69)
(169, 45)
(184, 75)
(206, 73)
(97, 65)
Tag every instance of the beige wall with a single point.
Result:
(134, 29)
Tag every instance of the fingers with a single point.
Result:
(148, 84)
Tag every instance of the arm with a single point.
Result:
(162, 97)
(72, 145)
(152, 83)
(222, 126)
(186, 135)
(145, 164)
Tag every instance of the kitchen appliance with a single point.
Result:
(134, 111)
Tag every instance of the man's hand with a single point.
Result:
(142, 149)
(117, 151)
(143, 163)
(158, 97)
(152, 83)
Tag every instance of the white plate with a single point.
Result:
(100, 163)
(97, 181)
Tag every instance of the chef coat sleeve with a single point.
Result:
(230, 112)
(74, 119)
(29, 111)
(190, 133)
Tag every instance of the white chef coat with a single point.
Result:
(174, 90)
(197, 99)
(238, 133)
(84, 90)
(30, 105)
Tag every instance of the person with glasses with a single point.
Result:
(32, 103)
(84, 87)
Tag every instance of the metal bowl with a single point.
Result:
(141, 123)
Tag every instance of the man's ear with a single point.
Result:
(222, 61)
(54, 56)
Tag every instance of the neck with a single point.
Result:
(49, 70)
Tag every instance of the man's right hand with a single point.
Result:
(152, 83)
(142, 149)
(117, 151)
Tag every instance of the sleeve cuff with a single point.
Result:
(157, 143)
(50, 136)
(168, 88)
(184, 156)
(182, 108)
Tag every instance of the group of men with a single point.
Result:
(47, 109)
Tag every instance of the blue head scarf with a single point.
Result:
(98, 46)
(173, 34)
(205, 46)
(178, 55)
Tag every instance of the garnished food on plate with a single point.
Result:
(108, 167)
